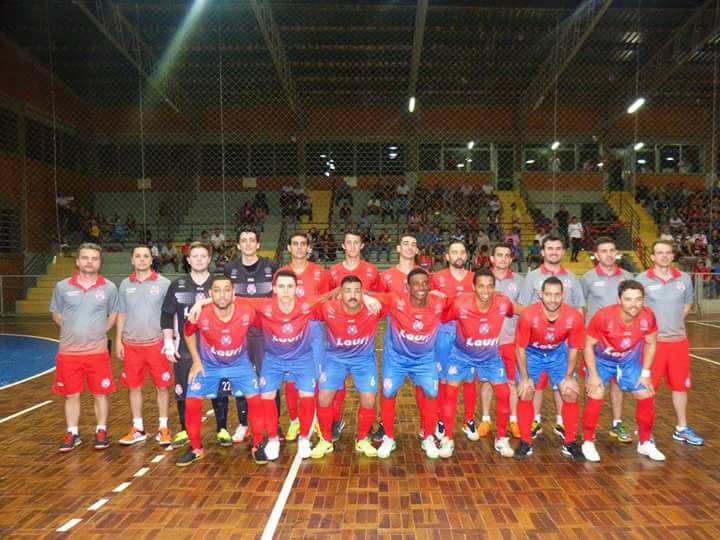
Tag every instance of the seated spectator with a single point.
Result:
(217, 242)
(169, 255)
(185, 252)
(155, 253)
(387, 209)
(534, 257)
(247, 214)
(260, 217)
(330, 247)
(699, 248)
(482, 260)
(304, 208)
(343, 193)
(703, 273)
(204, 237)
(494, 229)
(345, 214)
(494, 204)
(94, 233)
(666, 233)
(373, 206)
(540, 235)
(458, 235)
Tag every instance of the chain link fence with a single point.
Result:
(125, 122)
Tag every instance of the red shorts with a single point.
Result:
(507, 354)
(672, 361)
(73, 371)
(140, 359)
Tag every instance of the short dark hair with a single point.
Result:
(416, 271)
(353, 232)
(219, 277)
(251, 230)
(350, 279)
(552, 280)
(284, 273)
(483, 272)
(604, 240)
(138, 246)
(456, 242)
(553, 238)
(630, 284)
(502, 245)
(301, 234)
(407, 233)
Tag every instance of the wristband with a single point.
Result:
(645, 373)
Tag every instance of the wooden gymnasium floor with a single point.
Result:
(475, 494)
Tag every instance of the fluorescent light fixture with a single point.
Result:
(392, 155)
(639, 146)
(392, 147)
(555, 145)
(469, 160)
(642, 161)
(411, 104)
(471, 145)
(670, 158)
(600, 164)
(530, 161)
(323, 155)
(636, 105)
(460, 165)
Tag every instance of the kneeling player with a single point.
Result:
(217, 343)
(549, 335)
(617, 337)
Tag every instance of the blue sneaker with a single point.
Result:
(688, 436)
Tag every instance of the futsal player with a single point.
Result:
(548, 337)
(139, 339)
(84, 306)
(620, 344)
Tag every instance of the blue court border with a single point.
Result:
(34, 366)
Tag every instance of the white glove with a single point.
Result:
(168, 349)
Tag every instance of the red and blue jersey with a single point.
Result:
(311, 282)
(349, 335)
(616, 341)
(222, 344)
(393, 280)
(478, 332)
(413, 329)
(535, 331)
(367, 273)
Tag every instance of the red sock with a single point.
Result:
(270, 414)
(591, 416)
(502, 408)
(469, 399)
(645, 417)
(387, 414)
(431, 415)
(442, 387)
(449, 409)
(256, 418)
(338, 403)
(193, 422)
(571, 417)
(291, 400)
(525, 413)
(365, 419)
(307, 415)
(325, 419)
(420, 401)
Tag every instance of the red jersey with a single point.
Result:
(446, 283)
(413, 329)
(393, 280)
(535, 331)
(311, 282)
(366, 272)
(478, 332)
(617, 341)
(222, 344)
(349, 335)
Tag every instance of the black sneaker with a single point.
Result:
(189, 457)
(258, 453)
(573, 451)
(523, 451)
(337, 429)
(101, 440)
(379, 433)
(70, 441)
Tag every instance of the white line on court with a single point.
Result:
(157, 459)
(98, 504)
(277, 510)
(121, 487)
(25, 411)
(28, 335)
(68, 525)
(141, 472)
(705, 359)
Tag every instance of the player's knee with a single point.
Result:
(367, 400)
(325, 397)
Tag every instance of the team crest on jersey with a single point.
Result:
(323, 377)
(387, 383)
(154, 290)
(287, 328)
(418, 325)
(226, 340)
(625, 343)
(195, 386)
(305, 308)
(400, 304)
(300, 291)
(100, 294)
(369, 273)
(251, 289)
(680, 286)
(199, 296)
(484, 328)
(452, 370)
(316, 275)
(165, 376)
(105, 383)
(644, 324)
(352, 330)
(549, 336)
(268, 271)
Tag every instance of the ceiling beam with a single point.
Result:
(271, 34)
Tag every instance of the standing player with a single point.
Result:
(139, 340)
(549, 335)
(617, 337)
(475, 352)
(350, 349)
(252, 277)
(510, 285)
(85, 308)
(452, 281)
(553, 249)
(180, 297)
(600, 286)
(217, 345)
(669, 293)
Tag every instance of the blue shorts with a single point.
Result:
(363, 370)
(626, 373)
(422, 372)
(318, 343)
(461, 367)
(300, 371)
(241, 378)
(443, 346)
(554, 363)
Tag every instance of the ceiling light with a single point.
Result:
(642, 161)
(555, 145)
(530, 161)
(638, 146)
(636, 105)
(471, 145)
(411, 104)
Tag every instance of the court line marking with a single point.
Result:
(98, 504)
(28, 335)
(68, 525)
(141, 472)
(705, 359)
(279, 506)
(25, 411)
(121, 487)
(37, 374)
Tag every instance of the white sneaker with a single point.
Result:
(447, 447)
(272, 449)
(386, 448)
(240, 433)
(502, 447)
(430, 446)
(649, 449)
(590, 452)
(304, 447)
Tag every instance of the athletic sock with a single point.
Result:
(338, 404)
(99, 427)
(220, 406)
(138, 424)
(570, 418)
(387, 413)
(291, 400)
(431, 415)
(420, 401)
(307, 415)
(502, 408)
(163, 422)
(591, 416)
(365, 418)
(645, 417)
(194, 412)
(181, 413)
(325, 419)
(525, 418)
(270, 413)
(256, 417)
(449, 409)
(241, 405)
(469, 400)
